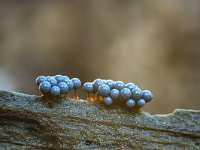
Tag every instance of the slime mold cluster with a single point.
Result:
(58, 85)
(104, 91)
(110, 92)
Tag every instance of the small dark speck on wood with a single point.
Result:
(27, 122)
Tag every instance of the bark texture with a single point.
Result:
(29, 122)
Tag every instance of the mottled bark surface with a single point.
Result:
(28, 122)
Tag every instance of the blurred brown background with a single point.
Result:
(155, 44)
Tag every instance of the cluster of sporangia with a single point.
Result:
(107, 91)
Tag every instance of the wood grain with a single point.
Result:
(28, 122)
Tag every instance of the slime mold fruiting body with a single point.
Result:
(77, 85)
(104, 91)
(58, 86)
(89, 89)
(112, 92)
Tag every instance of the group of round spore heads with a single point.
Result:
(106, 91)
(57, 85)
(116, 91)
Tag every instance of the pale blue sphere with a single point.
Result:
(63, 88)
(65, 78)
(104, 90)
(130, 86)
(77, 83)
(45, 87)
(108, 100)
(70, 84)
(55, 91)
(141, 102)
(104, 81)
(119, 85)
(114, 93)
(136, 93)
(110, 83)
(125, 93)
(48, 78)
(97, 83)
(53, 82)
(130, 103)
(40, 79)
(147, 95)
(88, 87)
(59, 78)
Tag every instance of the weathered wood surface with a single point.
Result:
(27, 122)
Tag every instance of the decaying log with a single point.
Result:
(28, 122)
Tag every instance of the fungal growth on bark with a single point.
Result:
(104, 91)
